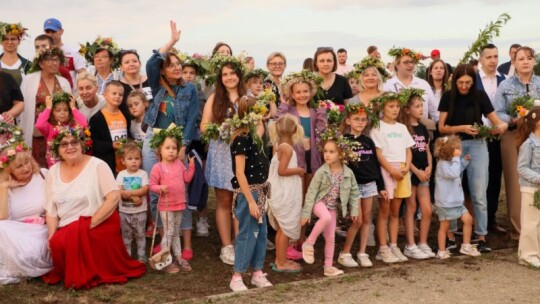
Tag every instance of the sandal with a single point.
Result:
(184, 265)
(173, 268)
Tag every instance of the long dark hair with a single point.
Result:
(163, 81)
(474, 94)
(222, 102)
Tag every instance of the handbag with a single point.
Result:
(164, 257)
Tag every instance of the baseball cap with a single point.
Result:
(435, 52)
(52, 24)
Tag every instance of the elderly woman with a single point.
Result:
(23, 233)
(35, 88)
(11, 62)
(103, 54)
(83, 224)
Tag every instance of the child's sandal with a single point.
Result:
(173, 268)
(184, 265)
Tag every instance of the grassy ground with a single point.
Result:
(209, 276)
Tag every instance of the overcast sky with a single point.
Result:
(294, 27)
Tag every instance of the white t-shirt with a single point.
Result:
(431, 105)
(393, 140)
(343, 69)
(132, 181)
(136, 130)
(74, 60)
(89, 112)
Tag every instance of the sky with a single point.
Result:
(294, 27)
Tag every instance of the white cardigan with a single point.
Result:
(29, 88)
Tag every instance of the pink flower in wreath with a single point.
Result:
(19, 148)
(10, 152)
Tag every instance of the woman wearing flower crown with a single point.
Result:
(23, 233)
(220, 106)
(372, 75)
(83, 225)
(11, 62)
(36, 86)
(103, 54)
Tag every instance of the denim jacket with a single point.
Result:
(186, 102)
(448, 190)
(510, 89)
(529, 162)
(321, 184)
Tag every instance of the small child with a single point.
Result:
(60, 111)
(110, 127)
(420, 176)
(367, 172)
(529, 181)
(254, 82)
(449, 195)
(352, 79)
(285, 204)
(168, 178)
(250, 168)
(393, 143)
(333, 184)
(133, 184)
(137, 104)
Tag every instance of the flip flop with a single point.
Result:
(274, 268)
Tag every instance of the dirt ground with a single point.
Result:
(382, 283)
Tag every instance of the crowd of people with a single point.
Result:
(94, 152)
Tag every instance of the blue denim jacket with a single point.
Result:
(448, 190)
(529, 162)
(186, 103)
(509, 90)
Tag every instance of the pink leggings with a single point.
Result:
(327, 224)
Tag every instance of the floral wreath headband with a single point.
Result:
(61, 97)
(89, 50)
(81, 134)
(259, 73)
(198, 61)
(399, 52)
(219, 60)
(361, 66)
(160, 134)
(305, 76)
(41, 55)
(406, 94)
(15, 29)
(360, 108)
(9, 134)
(9, 152)
(379, 102)
(348, 146)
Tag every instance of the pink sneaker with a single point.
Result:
(187, 254)
(156, 249)
(293, 254)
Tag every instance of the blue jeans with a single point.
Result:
(250, 247)
(477, 178)
(148, 161)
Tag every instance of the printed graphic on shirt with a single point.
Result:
(394, 135)
(419, 143)
(132, 182)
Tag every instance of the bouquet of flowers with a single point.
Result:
(519, 107)
(334, 112)
(485, 132)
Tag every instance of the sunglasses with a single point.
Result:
(50, 31)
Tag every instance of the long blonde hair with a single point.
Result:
(286, 125)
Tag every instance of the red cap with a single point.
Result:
(435, 52)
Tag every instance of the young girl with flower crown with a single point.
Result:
(393, 143)
(60, 111)
(529, 180)
(168, 178)
(250, 168)
(421, 174)
(286, 179)
(333, 187)
(367, 172)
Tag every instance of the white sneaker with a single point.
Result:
(386, 256)
(260, 281)
(332, 271)
(415, 253)
(470, 250)
(202, 226)
(530, 262)
(398, 254)
(364, 260)
(427, 250)
(237, 285)
(227, 255)
(443, 255)
(347, 260)
(371, 236)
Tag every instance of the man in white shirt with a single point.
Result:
(342, 67)
(74, 61)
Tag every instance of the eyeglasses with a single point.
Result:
(408, 62)
(173, 65)
(102, 57)
(277, 64)
(74, 143)
(52, 60)
(50, 31)
(10, 39)
(464, 83)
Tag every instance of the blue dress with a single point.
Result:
(218, 171)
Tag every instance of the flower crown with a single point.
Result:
(9, 151)
(399, 52)
(61, 97)
(379, 102)
(15, 29)
(348, 146)
(198, 61)
(9, 135)
(359, 108)
(123, 142)
(89, 50)
(160, 134)
(369, 61)
(352, 74)
(80, 133)
(40, 55)
(259, 73)
(219, 60)
(305, 76)
(406, 94)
